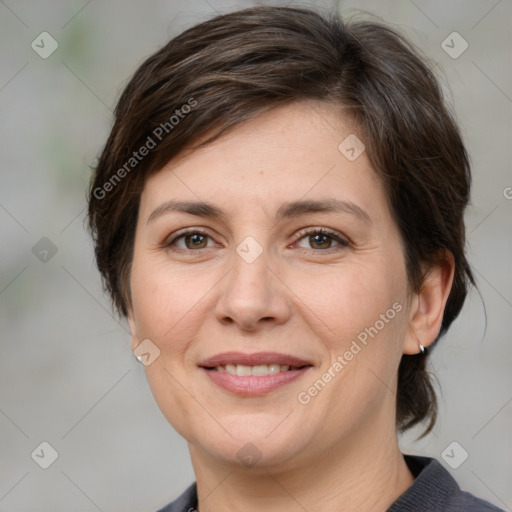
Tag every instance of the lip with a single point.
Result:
(254, 385)
(253, 359)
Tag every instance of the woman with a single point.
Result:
(278, 212)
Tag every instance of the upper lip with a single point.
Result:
(255, 359)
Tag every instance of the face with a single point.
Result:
(277, 310)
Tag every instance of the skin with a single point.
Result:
(302, 295)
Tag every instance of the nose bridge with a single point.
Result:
(251, 291)
(250, 279)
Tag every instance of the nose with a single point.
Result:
(253, 295)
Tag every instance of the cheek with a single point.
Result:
(361, 315)
(170, 393)
(366, 315)
(345, 302)
(164, 311)
(165, 300)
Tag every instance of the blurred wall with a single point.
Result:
(67, 374)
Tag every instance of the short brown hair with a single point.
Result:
(232, 68)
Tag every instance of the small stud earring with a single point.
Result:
(422, 348)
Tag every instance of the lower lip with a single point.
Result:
(253, 385)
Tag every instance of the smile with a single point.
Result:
(259, 370)
(253, 374)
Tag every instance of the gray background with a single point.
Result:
(67, 374)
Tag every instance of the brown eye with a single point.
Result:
(321, 239)
(195, 241)
(189, 241)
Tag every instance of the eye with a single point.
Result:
(189, 240)
(322, 239)
(318, 239)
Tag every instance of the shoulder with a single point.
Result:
(435, 490)
(185, 502)
(464, 501)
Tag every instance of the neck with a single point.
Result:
(357, 474)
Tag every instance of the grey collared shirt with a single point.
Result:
(433, 490)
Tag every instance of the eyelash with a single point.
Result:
(302, 234)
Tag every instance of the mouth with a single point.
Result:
(253, 374)
(260, 370)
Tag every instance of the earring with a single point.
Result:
(139, 359)
(422, 348)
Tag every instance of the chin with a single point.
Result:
(268, 443)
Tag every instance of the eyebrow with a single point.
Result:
(285, 211)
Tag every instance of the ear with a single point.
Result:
(426, 314)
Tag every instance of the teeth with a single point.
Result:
(260, 370)
(243, 371)
(274, 368)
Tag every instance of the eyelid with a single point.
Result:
(338, 237)
(171, 239)
(335, 235)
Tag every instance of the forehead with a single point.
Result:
(303, 150)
